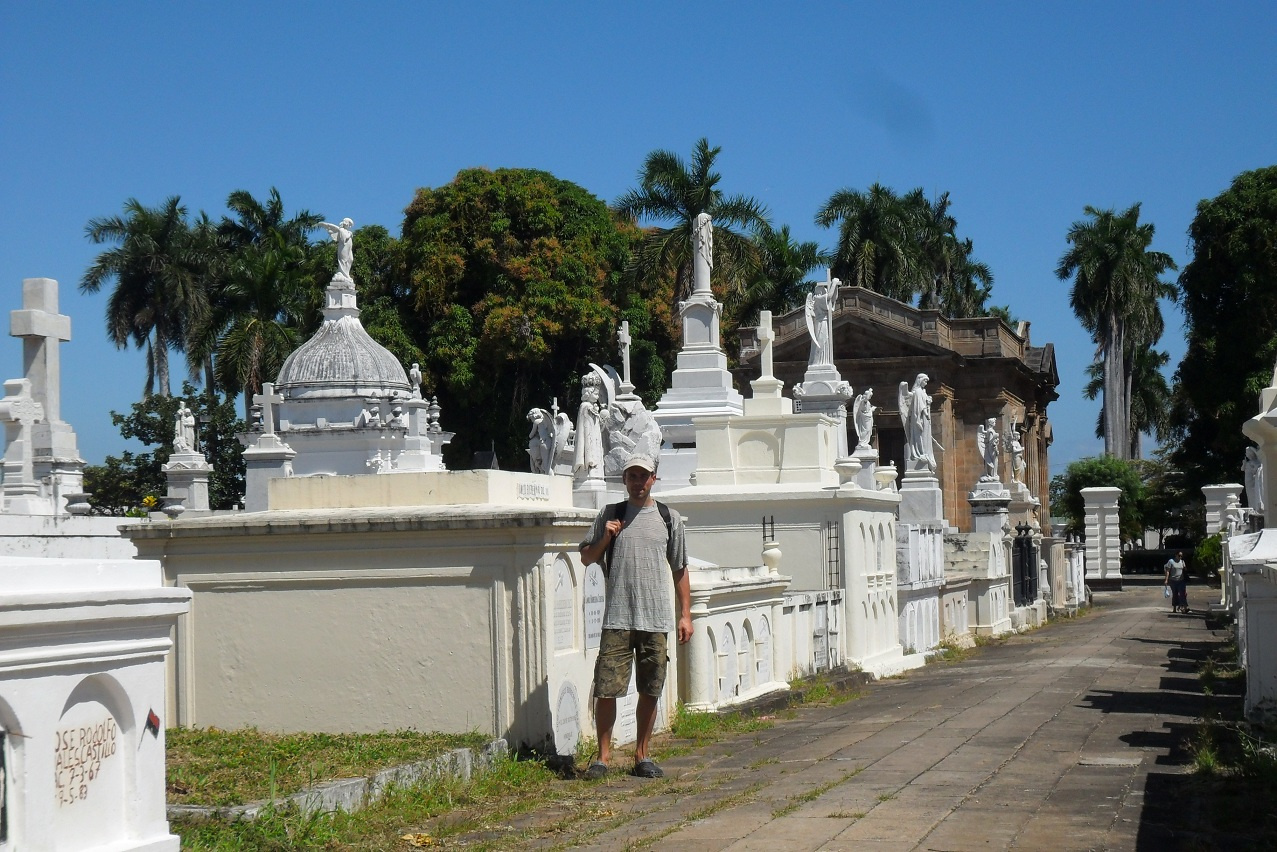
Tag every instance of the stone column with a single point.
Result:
(700, 663)
(1220, 500)
(701, 383)
(1103, 538)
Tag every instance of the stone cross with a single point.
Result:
(42, 328)
(623, 338)
(268, 399)
(766, 335)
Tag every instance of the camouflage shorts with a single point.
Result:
(617, 648)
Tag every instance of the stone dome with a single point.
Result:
(342, 360)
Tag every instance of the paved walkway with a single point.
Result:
(1064, 738)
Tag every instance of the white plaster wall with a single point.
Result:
(435, 618)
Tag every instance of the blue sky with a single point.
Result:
(1024, 113)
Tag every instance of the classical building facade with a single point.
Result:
(979, 368)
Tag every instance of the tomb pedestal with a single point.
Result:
(187, 474)
(82, 702)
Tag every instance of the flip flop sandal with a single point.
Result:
(596, 771)
(647, 769)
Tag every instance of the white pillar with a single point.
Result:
(1103, 534)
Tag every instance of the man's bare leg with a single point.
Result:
(645, 715)
(604, 719)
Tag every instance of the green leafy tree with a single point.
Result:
(159, 295)
(1229, 298)
(1103, 471)
(674, 191)
(121, 484)
(515, 284)
(1168, 504)
(1116, 285)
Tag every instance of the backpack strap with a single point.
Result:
(616, 512)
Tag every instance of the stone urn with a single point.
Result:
(78, 503)
(771, 556)
(172, 507)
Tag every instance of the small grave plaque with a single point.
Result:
(594, 605)
(567, 719)
(564, 609)
(727, 683)
(626, 730)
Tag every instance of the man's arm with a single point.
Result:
(593, 551)
(683, 591)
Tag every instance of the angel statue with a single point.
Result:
(986, 439)
(820, 322)
(1017, 453)
(862, 415)
(343, 234)
(915, 415)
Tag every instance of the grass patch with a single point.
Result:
(949, 651)
(213, 767)
(433, 810)
(820, 690)
(706, 728)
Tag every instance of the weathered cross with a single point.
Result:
(623, 337)
(766, 335)
(267, 399)
(42, 328)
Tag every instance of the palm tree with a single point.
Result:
(878, 246)
(158, 294)
(780, 283)
(263, 297)
(1150, 398)
(1115, 290)
(256, 288)
(671, 190)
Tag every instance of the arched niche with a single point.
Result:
(564, 580)
(93, 762)
(758, 450)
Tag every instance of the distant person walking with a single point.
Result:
(1177, 579)
(636, 542)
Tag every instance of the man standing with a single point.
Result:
(1177, 579)
(636, 542)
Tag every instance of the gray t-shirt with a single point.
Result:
(1176, 568)
(638, 595)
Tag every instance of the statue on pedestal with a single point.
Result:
(987, 442)
(1017, 453)
(587, 462)
(915, 415)
(820, 322)
(862, 415)
(343, 234)
(184, 430)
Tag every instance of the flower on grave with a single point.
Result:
(149, 502)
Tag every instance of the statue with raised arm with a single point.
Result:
(820, 322)
(986, 439)
(915, 416)
(184, 430)
(862, 415)
(1017, 453)
(343, 234)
